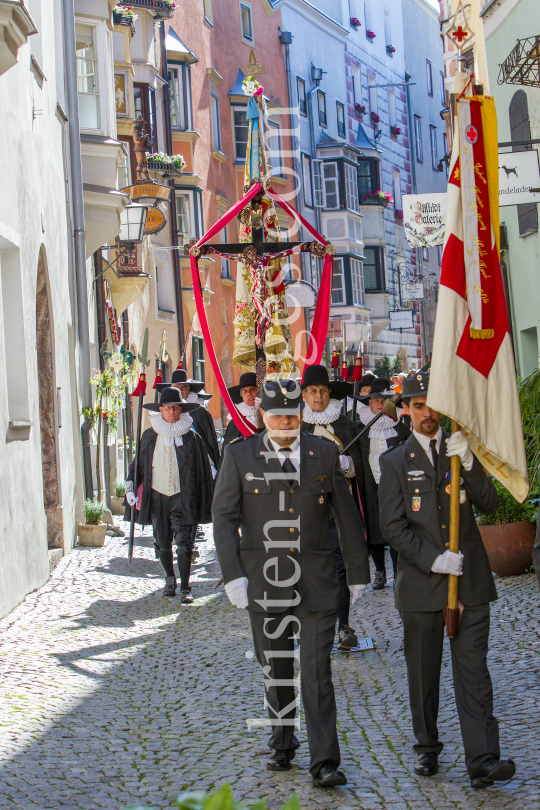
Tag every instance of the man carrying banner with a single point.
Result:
(415, 491)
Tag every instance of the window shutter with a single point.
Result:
(351, 187)
(317, 181)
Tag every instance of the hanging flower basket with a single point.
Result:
(374, 118)
(395, 131)
(370, 35)
(355, 23)
(390, 50)
(168, 165)
(360, 109)
(124, 15)
(377, 198)
(164, 8)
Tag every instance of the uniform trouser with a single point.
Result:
(423, 642)
(168, 526)
(316, 631)
(344, 603)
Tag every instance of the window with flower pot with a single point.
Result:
(392, 111)
(307, 180)
(145, 110)
(241, 129)
(368, 175)
(388, 33)
(180, 97)
(301, 91)
(340, 110)
(374, 269)
(338, 283)
(373, 96)
(86, 46)
(321, 101)
(357, 88)
(434, 151)
(396, 187)
(429, 78)
(418, 139)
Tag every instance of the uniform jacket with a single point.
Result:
(196, 484)
(203, 424)
(231, 434)
(420, 536)
(284, 527)
(367, 486)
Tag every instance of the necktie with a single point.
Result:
(434, 454)
(287, 465)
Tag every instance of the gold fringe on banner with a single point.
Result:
(482, 334)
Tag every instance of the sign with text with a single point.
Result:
(153, 191)
(412, 292)
(155, 221)
(401, 319)
(518, 173)
(424, 219)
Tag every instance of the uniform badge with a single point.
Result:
(416, 503)
(321, 499)
(416, 473)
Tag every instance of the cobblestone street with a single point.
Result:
(113, 696)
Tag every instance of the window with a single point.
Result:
(317, 182)
(418, 138)
(357, 283)
(124, 167)
(214, 109)
(439, 254)
(351, 187)
(396, 188)
(245, 15)
(301, 90)
(445, 147)
(433, 143)
(308, 183)
(357, 86)
(340, 119)
(373, 269)
(520, 130)
(225, 271)
(315, 270)
(273, 144)
(207, 11)
(392, 111)
(331, 185)
(145, 110)
(368, 175)
(373, 94)
(443, 88)
(338, 283)
(368, 15)
(180, 97)
(15, 384)
(425, 254)
(429, 78)
(183, 218)
(241, 129)
(198, 358)
(321, 99)
(387, 29)
(355, 230)
(87, 76)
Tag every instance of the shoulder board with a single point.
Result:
(243, 438)
(395, 447)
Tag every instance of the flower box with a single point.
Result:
(370, 35)
(119, 18)
(375, 118)
(377, 198)
(390, 50)
(395, 131)
(355, 23)
(164, 8)
(359, 109)
(168, 165)
(398, 214)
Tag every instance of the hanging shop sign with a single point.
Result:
(424, 219)
(518, 176)
(401, 319)
(155, 221)
(412, 291)
(151, 191)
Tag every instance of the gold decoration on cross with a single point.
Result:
(253, 68)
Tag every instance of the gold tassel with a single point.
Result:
(482, 334)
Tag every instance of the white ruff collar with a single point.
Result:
(383, 427)
(330, 414)
(192, 397)
(249, 412)
(171, 432)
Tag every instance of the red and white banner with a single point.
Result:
(473, 378)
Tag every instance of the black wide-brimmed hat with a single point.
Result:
(172, 396)
(380, 387)
(180, 377)
(318, 375)
(416, 385)
(367, 379)
(247, 379)
(282, 395)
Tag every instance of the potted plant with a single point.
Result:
(117, 500)
(395, 131)
(374, 118)
(168, 165)
(370, 35)
(390, 50)
(360, 109)
(355, 23)
(124, 15)
(92, 531)
(377, 198)
(398, 214)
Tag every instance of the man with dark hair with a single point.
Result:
(276, 488)
(415, 520)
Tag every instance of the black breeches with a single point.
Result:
(168, 527)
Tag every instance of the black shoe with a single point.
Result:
(170, 586)
(347, 638)
(427, 765)
(186, 597)
(379, 580)
(493, 770)
(329, 776)
(280, 760)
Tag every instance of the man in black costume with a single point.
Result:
(177, 485)
(244, 396)
(322, 417)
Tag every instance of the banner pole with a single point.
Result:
(452, 611)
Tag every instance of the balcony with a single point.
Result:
(162, 9)
(16, 25)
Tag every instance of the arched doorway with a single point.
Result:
(47, 423)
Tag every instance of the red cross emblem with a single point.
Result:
(472, 134)
(459, 34)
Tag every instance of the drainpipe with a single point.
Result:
(172, 205)
(309, 95)
(79, 244)
(102, 337)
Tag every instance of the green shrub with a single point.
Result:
(93, 511)
(119, 488)
(509, 510)
(223, 799)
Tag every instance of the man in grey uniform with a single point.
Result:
(277, 488)
(415, 491)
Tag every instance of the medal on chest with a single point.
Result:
(416, 503)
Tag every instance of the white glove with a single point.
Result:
(344, 463)
(131, 498)
(458, 445)
(357, 591)
(236, 590)
(448, 563)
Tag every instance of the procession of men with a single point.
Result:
(296, 512)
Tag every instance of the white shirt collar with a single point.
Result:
(424, 441)
(294, 455)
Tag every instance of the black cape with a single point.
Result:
(197, 488)
(203, 424)
(345, 430)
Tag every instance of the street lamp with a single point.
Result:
(132, 224)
